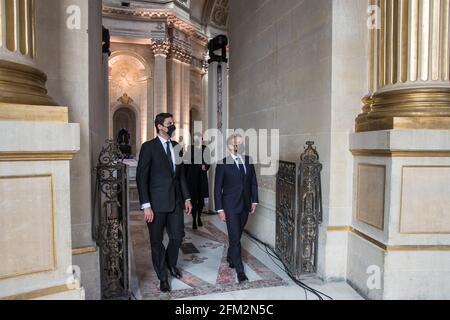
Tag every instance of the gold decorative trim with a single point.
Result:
(37, 155)
(388, 247)
(401, 153)
(21, 84)
(417, 108)
(53, 268)
(401, 202)
(20, 112)
(339, 228)
(83, 250)
(358, 216)
(39, 293)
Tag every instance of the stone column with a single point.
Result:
(218, 96)
(160, 49)
(35, 152)
(179, 89)
(409, 83)
(186, 97)
(20, 81)
(217, 113)
(401, 227)
(174, 88)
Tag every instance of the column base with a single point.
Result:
(429, 123)
(21, 84)
(399, 244)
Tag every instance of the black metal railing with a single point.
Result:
(110, 222)
(299, 212)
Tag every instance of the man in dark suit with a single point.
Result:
(197, 177)
(163, 193)
(235, 195)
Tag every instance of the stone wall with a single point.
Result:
(280, 78)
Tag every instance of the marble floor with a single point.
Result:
(206, 275)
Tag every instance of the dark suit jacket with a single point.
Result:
(157, 183)
(233, 192)
(197, 178)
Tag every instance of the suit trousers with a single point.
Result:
(162, 258)
(235, 226)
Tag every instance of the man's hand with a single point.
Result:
(254, 205)
(149, 215)
(222, 216)
(188, 207)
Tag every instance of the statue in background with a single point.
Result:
(123, 140)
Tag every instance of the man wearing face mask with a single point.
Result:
(236, 196)
(163, 194)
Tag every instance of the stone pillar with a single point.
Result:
(217, 113)
(186, 98)
(179, 89)
(174, 89)
(218, 96)
(160, 49)
(36, 147)
(409, 83)
(400, 234)
(20, 81)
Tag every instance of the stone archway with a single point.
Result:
(125, 118)
(131, 86)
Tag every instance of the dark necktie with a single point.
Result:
(241, 166)
(169, 154)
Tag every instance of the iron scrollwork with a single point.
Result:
(299, 212)
(111, 227)
(310, 208)
(286, 213)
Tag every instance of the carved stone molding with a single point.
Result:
(219, 13)
(161, 47)
(125, 99)
(180, 54)
(158, 15)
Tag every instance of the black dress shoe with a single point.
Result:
(164, 286)
(175, 272)
(242, 277)
(194, 227)
(200, 223)
(230, 263)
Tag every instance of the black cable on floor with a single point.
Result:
(273, 255)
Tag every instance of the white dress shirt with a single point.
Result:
(235, 158)
(172, 151)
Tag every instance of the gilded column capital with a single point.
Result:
(161, 47)
(409, 73)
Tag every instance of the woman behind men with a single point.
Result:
(197, 178)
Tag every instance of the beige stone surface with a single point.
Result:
(425, 200)
(26, 225)
(371, 194)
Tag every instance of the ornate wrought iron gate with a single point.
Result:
(286, 213)
(299, 212)
(310, 209)
(110, 223)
